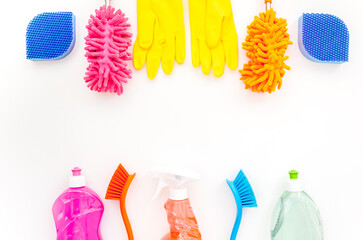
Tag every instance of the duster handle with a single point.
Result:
(268, 4)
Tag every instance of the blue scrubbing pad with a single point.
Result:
(50, 36)
(323, 38)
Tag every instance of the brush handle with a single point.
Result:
(239, 209)
(126, 219)
(123, 207)
(237, 222)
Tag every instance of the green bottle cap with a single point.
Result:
(293, 174)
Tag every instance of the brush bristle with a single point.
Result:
(117, 183)
(323, 38)
(107, 43)
(245, 191)
(50, 36)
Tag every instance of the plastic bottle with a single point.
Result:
(78, 211)
(296, 216)
(182, 221)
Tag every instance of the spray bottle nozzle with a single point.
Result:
(174, 178)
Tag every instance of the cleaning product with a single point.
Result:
(244, 196)
(182, 221)
(107, 43)
(323, 38)
(161, 35)
(117, 190)
(50, 36)
(266, 44)
(296, 216)
(78, 211)
(213, 35)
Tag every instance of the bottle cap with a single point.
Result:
(294, 184)
(77, 180)
(294, 174)
(178, 194)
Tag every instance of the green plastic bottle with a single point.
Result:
(296, 216)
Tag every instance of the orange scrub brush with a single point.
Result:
(117, 190)
(266, 44)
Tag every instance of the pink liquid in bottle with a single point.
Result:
(182, 221)
(78, 211)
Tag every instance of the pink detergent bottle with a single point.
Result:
(182, 221)
(77, 211)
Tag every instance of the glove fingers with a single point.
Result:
(139, 55)
(145, 27)
(195, 52)
(213, 24)
(205, 57)
(153, 60)
(231, 51)
(218, 60)
(168, 56)
(230, 43)
(180, 49)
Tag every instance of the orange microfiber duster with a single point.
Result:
(266, 44)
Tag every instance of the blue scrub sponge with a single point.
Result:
(50, 36)
(323, 38)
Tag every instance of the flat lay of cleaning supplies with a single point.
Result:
(244, 197)
(161, 35)
(50, 36)
(182, 221)
(78, 211)
(323, 38)
(107, 43)
(117, 190)
(213, 35)
(296, 216)
(266, 44)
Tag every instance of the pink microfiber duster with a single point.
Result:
(107, 43)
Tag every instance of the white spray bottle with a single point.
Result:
(182, 221)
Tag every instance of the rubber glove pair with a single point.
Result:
(213, 35)
(161, 35)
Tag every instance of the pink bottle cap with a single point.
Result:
(77, 180)
(76, 171)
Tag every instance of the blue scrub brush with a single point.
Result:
(50, 36)
(323, 38)
(244, 196)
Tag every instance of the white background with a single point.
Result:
(51, 122)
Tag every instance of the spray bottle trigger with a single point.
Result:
(160, 187)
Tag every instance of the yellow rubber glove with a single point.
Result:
(213, 35)
(161, 35)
